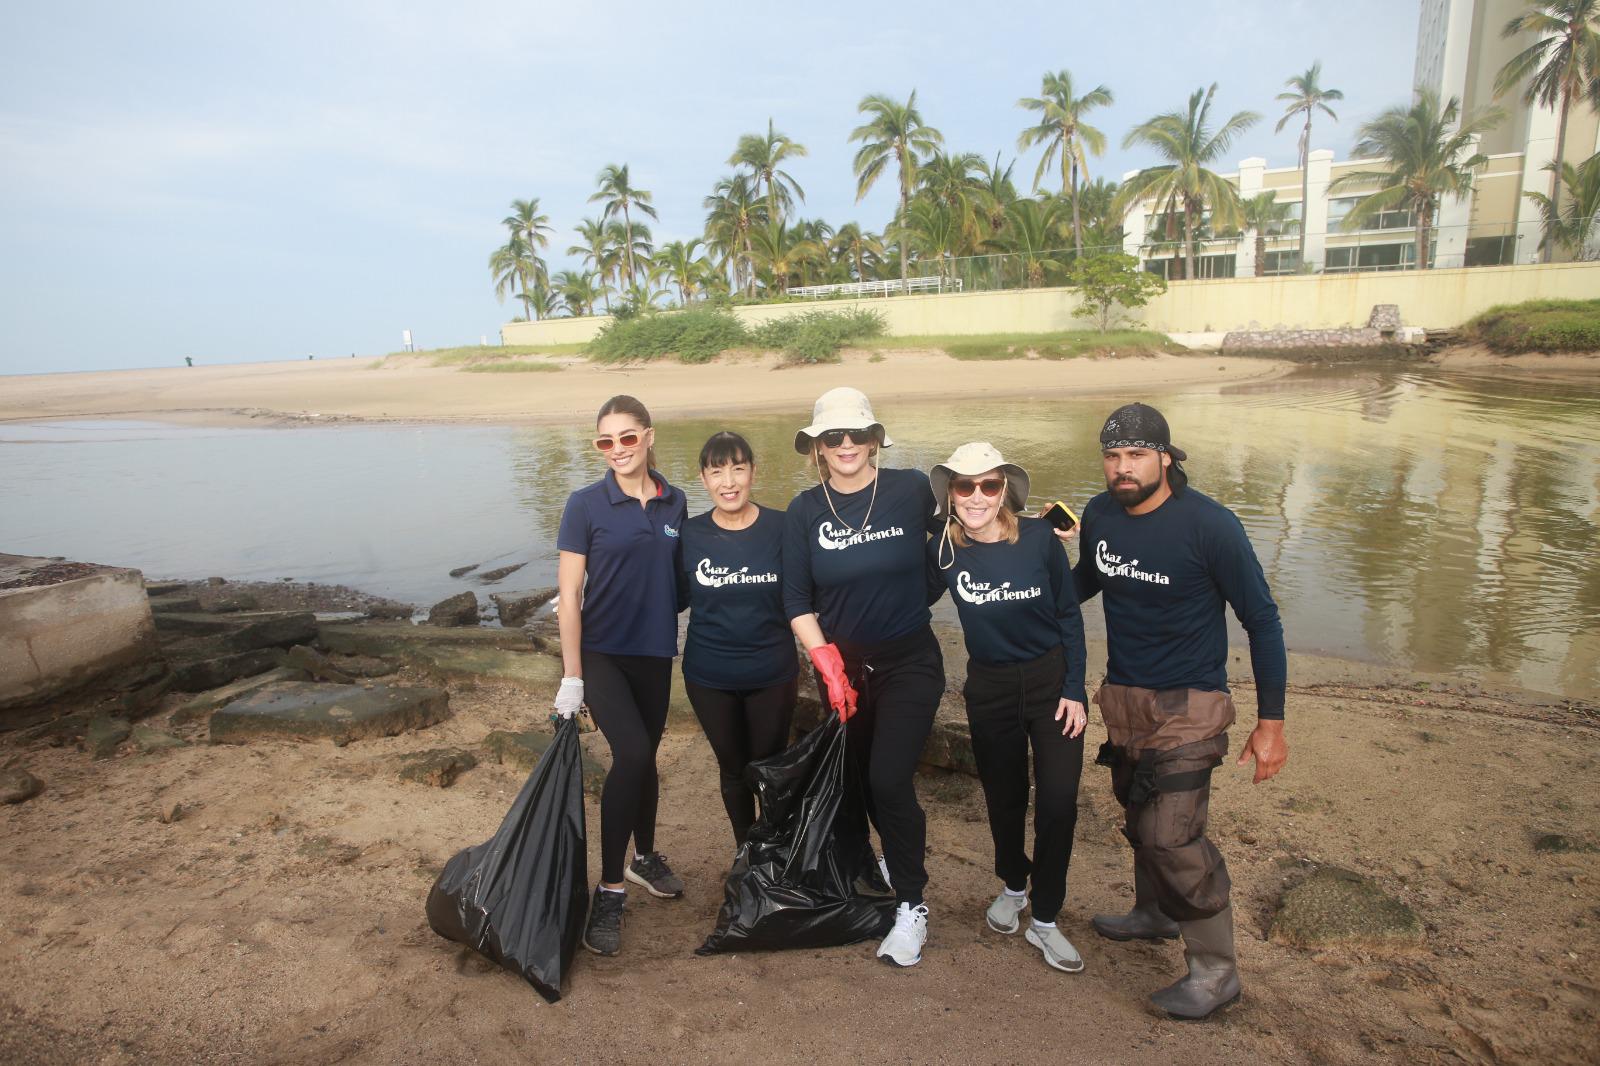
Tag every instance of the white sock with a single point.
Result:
(1037, 924)
(1016, 895)
(618, 891)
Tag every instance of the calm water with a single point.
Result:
(1445, 522)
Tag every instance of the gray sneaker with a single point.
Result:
(1057, 950)
(603, 932)
(1002, 913)
(655, 875)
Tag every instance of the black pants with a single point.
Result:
(899, 684)
(1007, 708)
(743, 726)
(628, 697)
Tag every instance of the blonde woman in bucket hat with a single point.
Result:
(856, 592)
(1013, 588)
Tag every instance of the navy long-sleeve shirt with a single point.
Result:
(1017, 601)
(1165, 577)
(739, 636)
(866, 583)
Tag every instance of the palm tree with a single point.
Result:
(780, 249)
(1263, 214)
(1031, 226)
(1186, 141)
(617, 193)
(815, 233)
(856, 246)
(1427, 152)
(893, 131)
(1061, 129)
(733, 210)
(578, 291)
(1575, 223)
(763, 156)
(1561, 66)
(934, 230)
(1306, 95)
(995, 193)
(629, 244)
(596, 251)
(682, 267)
(1104, 228)
(510, 265)
(954, 181)
(526, 222)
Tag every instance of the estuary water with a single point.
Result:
(1444, 522)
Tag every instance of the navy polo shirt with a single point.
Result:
(630, 598)
(739, 636)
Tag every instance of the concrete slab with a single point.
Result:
(539, 674)
(214, 673)
(207, 702)
(398, 640)
(340, 713)
(63, 625)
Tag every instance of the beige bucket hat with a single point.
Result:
(841, 408)
(969, 460)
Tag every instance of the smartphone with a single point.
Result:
(1059, 515)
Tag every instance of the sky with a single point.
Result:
(240, 183)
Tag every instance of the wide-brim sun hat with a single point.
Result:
(841, 408)
(970, 460)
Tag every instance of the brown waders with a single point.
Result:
(1163, 746)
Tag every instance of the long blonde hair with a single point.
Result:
(1007, 519)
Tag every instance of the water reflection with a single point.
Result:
(1444, 521)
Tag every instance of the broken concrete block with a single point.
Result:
(214, 673)
(340, 713)
(439, 767)
(516, 607)
(458, 610)
(207, 702)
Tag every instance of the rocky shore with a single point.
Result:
(221, 855)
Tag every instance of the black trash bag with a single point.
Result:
(521, 896)
(793, 883)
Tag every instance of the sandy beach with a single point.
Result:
(410, 391)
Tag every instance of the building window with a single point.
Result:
(1340, 208)
(1289, 225)
(1205, 266)
(1491, 251)
(1282, 263)
(1371, 257)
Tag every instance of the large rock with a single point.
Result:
(316, 664)
(524, 750)
(17, 785)
(439, 767)
(105, 735)
(207, 702)
(500, 572)
(1335, 907)
(282, 632)
(364, 666)
(516, 607)
(340, 713)
(402, 640)
(458, 610)
(214, 673)
(539, 674)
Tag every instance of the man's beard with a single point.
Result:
(1132, 495)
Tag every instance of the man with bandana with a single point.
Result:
(1166, 561)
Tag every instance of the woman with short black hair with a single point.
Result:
(739, 662)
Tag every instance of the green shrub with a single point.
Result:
(817, 336)
(516, 367)
(1539, 326)
(694, 335)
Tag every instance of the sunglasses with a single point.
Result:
(630, 439)
(966, 486)
(835, 438)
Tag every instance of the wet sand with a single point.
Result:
(406, 390)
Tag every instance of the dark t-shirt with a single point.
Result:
(1017, 601)
(630, 598)
(867, 585)
(739, 636)
(1165, 577)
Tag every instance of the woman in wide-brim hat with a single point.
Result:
(1012, 586)
(856, 591)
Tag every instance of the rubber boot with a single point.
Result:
(1144, 922)
(1213, 978)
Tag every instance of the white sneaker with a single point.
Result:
(903, 945)
(1057, 950)
(1002, 913)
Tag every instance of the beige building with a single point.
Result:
(1459, 51)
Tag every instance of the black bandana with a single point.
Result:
(1138, 425)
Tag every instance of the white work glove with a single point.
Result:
(569, 698)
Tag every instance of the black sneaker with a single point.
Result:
(603, 934)
(655, 875)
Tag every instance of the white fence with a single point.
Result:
(893, 287)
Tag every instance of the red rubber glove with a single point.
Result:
(830, 667)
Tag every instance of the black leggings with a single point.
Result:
(1007, 708)
(899, 683)
(743, 726)
(628, 697)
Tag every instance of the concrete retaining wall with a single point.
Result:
(56, 637)
(1435, 299)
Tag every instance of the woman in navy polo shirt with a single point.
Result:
(739, 664)
(1013, 588)
(618, 575)
(855, 587)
